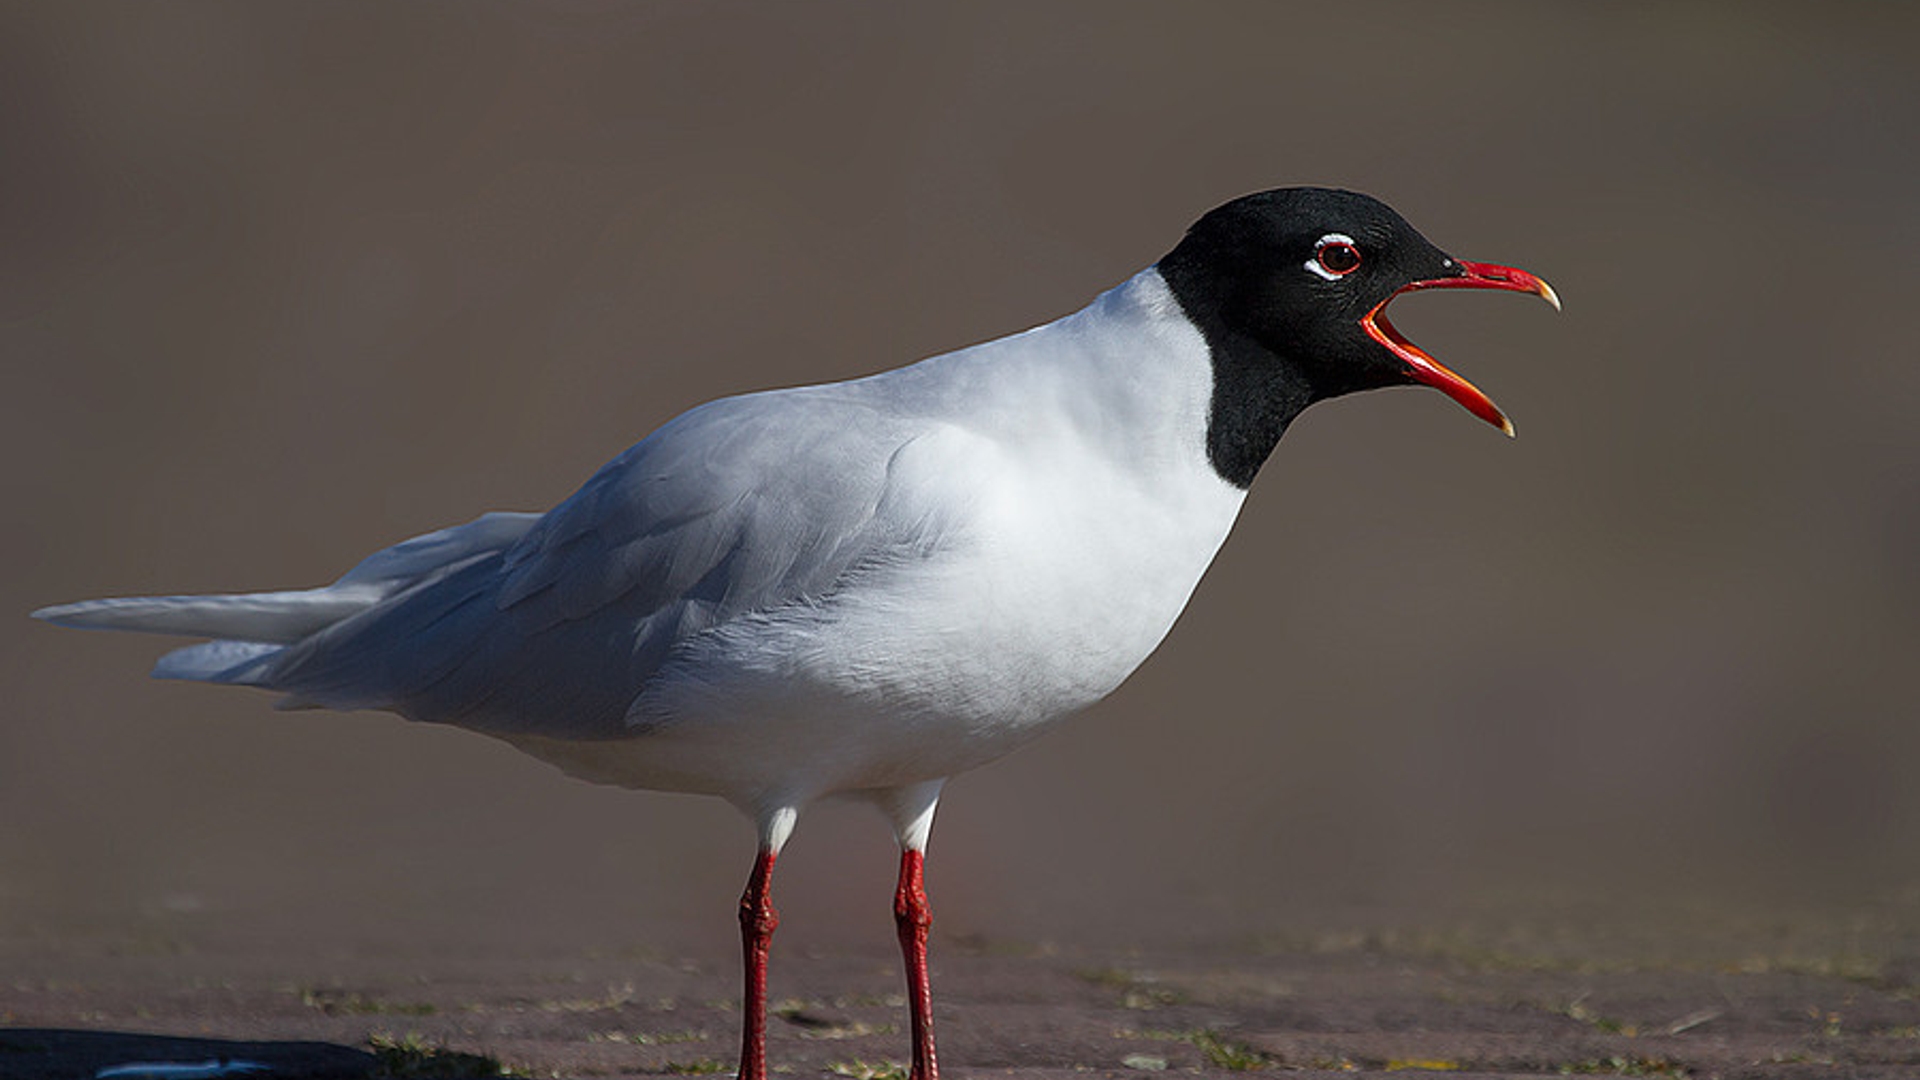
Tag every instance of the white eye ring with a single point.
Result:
(1316, 266)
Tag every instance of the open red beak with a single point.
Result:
(1432, 372)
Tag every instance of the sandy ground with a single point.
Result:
(1702, 998)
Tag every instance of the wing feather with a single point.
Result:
(744, 504)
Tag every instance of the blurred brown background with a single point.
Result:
(281, 284)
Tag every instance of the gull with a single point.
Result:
(860, 589)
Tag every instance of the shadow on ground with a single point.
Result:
(67, 1054)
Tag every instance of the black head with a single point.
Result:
(1289, 287)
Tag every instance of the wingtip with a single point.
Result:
(78, 615)
(52, 613)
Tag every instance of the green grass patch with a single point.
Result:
(653, 1038)
(1219, 1051)
(1223, 1053)
(412, 1055)
(861, 1070)
(1577, 1010)
(1624, 1065)
(1136, 991)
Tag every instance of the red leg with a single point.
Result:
(757, 922)
(913, 918)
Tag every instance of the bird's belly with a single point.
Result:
(783, 748)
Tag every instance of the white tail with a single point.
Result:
(279, 618)
(252, 627)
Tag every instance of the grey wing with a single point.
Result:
(743, 504)
(732, 506)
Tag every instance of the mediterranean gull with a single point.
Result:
(863, 588)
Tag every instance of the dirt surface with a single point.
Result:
(1700, 1000)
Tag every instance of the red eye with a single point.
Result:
(1337, 257)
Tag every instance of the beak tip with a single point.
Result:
(1547, 293)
